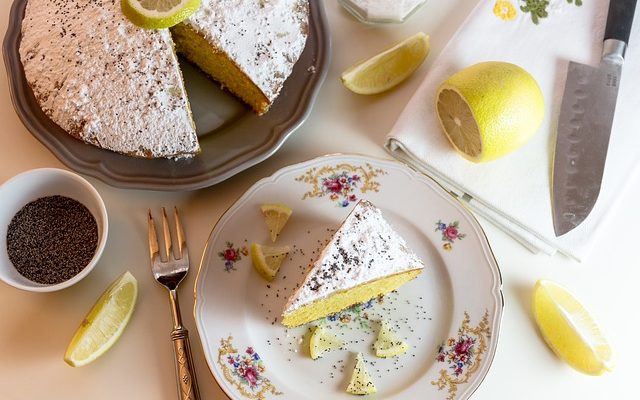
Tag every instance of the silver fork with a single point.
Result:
(169, 270)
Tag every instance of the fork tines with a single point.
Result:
(166, 231)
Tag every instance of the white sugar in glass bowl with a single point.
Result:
(382, 11)
(32, 185)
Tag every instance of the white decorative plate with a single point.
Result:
(450, 315)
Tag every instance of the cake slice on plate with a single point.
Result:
(365, 258)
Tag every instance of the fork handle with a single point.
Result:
(185, 372)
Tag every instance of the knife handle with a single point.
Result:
(619, 20)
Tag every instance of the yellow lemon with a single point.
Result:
(361, 382)
(267, 260)
(275, 216)
(489, 109)
(157, 14)
(322, 341)
(388, 68)
(104, 324)
(387, 344)
(570, 330)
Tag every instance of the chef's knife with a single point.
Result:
(586, 116)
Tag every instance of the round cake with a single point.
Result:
(119, 87)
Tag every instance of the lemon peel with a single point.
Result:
(489, 109)
(388, 68)
(569, 330)
(268, 259)
(276, 216)
(322, 341)
(104, 323)
(158, 14)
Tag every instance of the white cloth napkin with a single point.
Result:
(514, 192)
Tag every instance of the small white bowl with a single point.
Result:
(32, 185)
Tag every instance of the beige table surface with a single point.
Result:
(35, 328)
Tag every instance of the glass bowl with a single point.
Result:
(382, 11)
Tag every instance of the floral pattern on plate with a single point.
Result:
(462, 354)
(450, 233)
(356, 313)
(230, 255)
(245, 371)
(340, 182)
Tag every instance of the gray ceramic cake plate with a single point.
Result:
(232, 137)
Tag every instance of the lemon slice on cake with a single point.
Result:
(387, 344)
(322, 341)
(361, 382)
(388, 68)
(158, 14)
(570, 330)
(275, 216)
(104, 324)
(489, 109)
(267, 259)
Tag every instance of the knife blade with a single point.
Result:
(584, 126)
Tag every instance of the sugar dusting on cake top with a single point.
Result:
(265, 38)
(364, 249)
(106, 81)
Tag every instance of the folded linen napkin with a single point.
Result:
(514, 192)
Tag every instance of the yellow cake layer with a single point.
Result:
(215, 63)
(340, 300)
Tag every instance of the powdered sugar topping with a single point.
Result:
(264, 37)
(365, 248)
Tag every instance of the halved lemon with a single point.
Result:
(275, 216)
(267, 259)
(322, 341)
(361, 382)
(489, 109)
(158, 14)
(570, 330)
(388, 68)
(387, 344)
(104, 324)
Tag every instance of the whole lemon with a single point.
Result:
(489, 109)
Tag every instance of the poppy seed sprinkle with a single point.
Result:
(52, 239)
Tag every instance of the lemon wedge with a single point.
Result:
(361, 382)
(387, 344)
(570, 330)
(388, 68)
(267, 259)
(489, 109)
(158, 14)
(104, 324)
(322, 341)
(276, 217)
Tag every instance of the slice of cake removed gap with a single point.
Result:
(365, 258)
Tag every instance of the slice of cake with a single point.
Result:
(365, 258)
(249, 46)
(106, 81)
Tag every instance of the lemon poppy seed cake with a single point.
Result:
(119, 87)
(364, 258)
(249, 46)
(106, 81)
